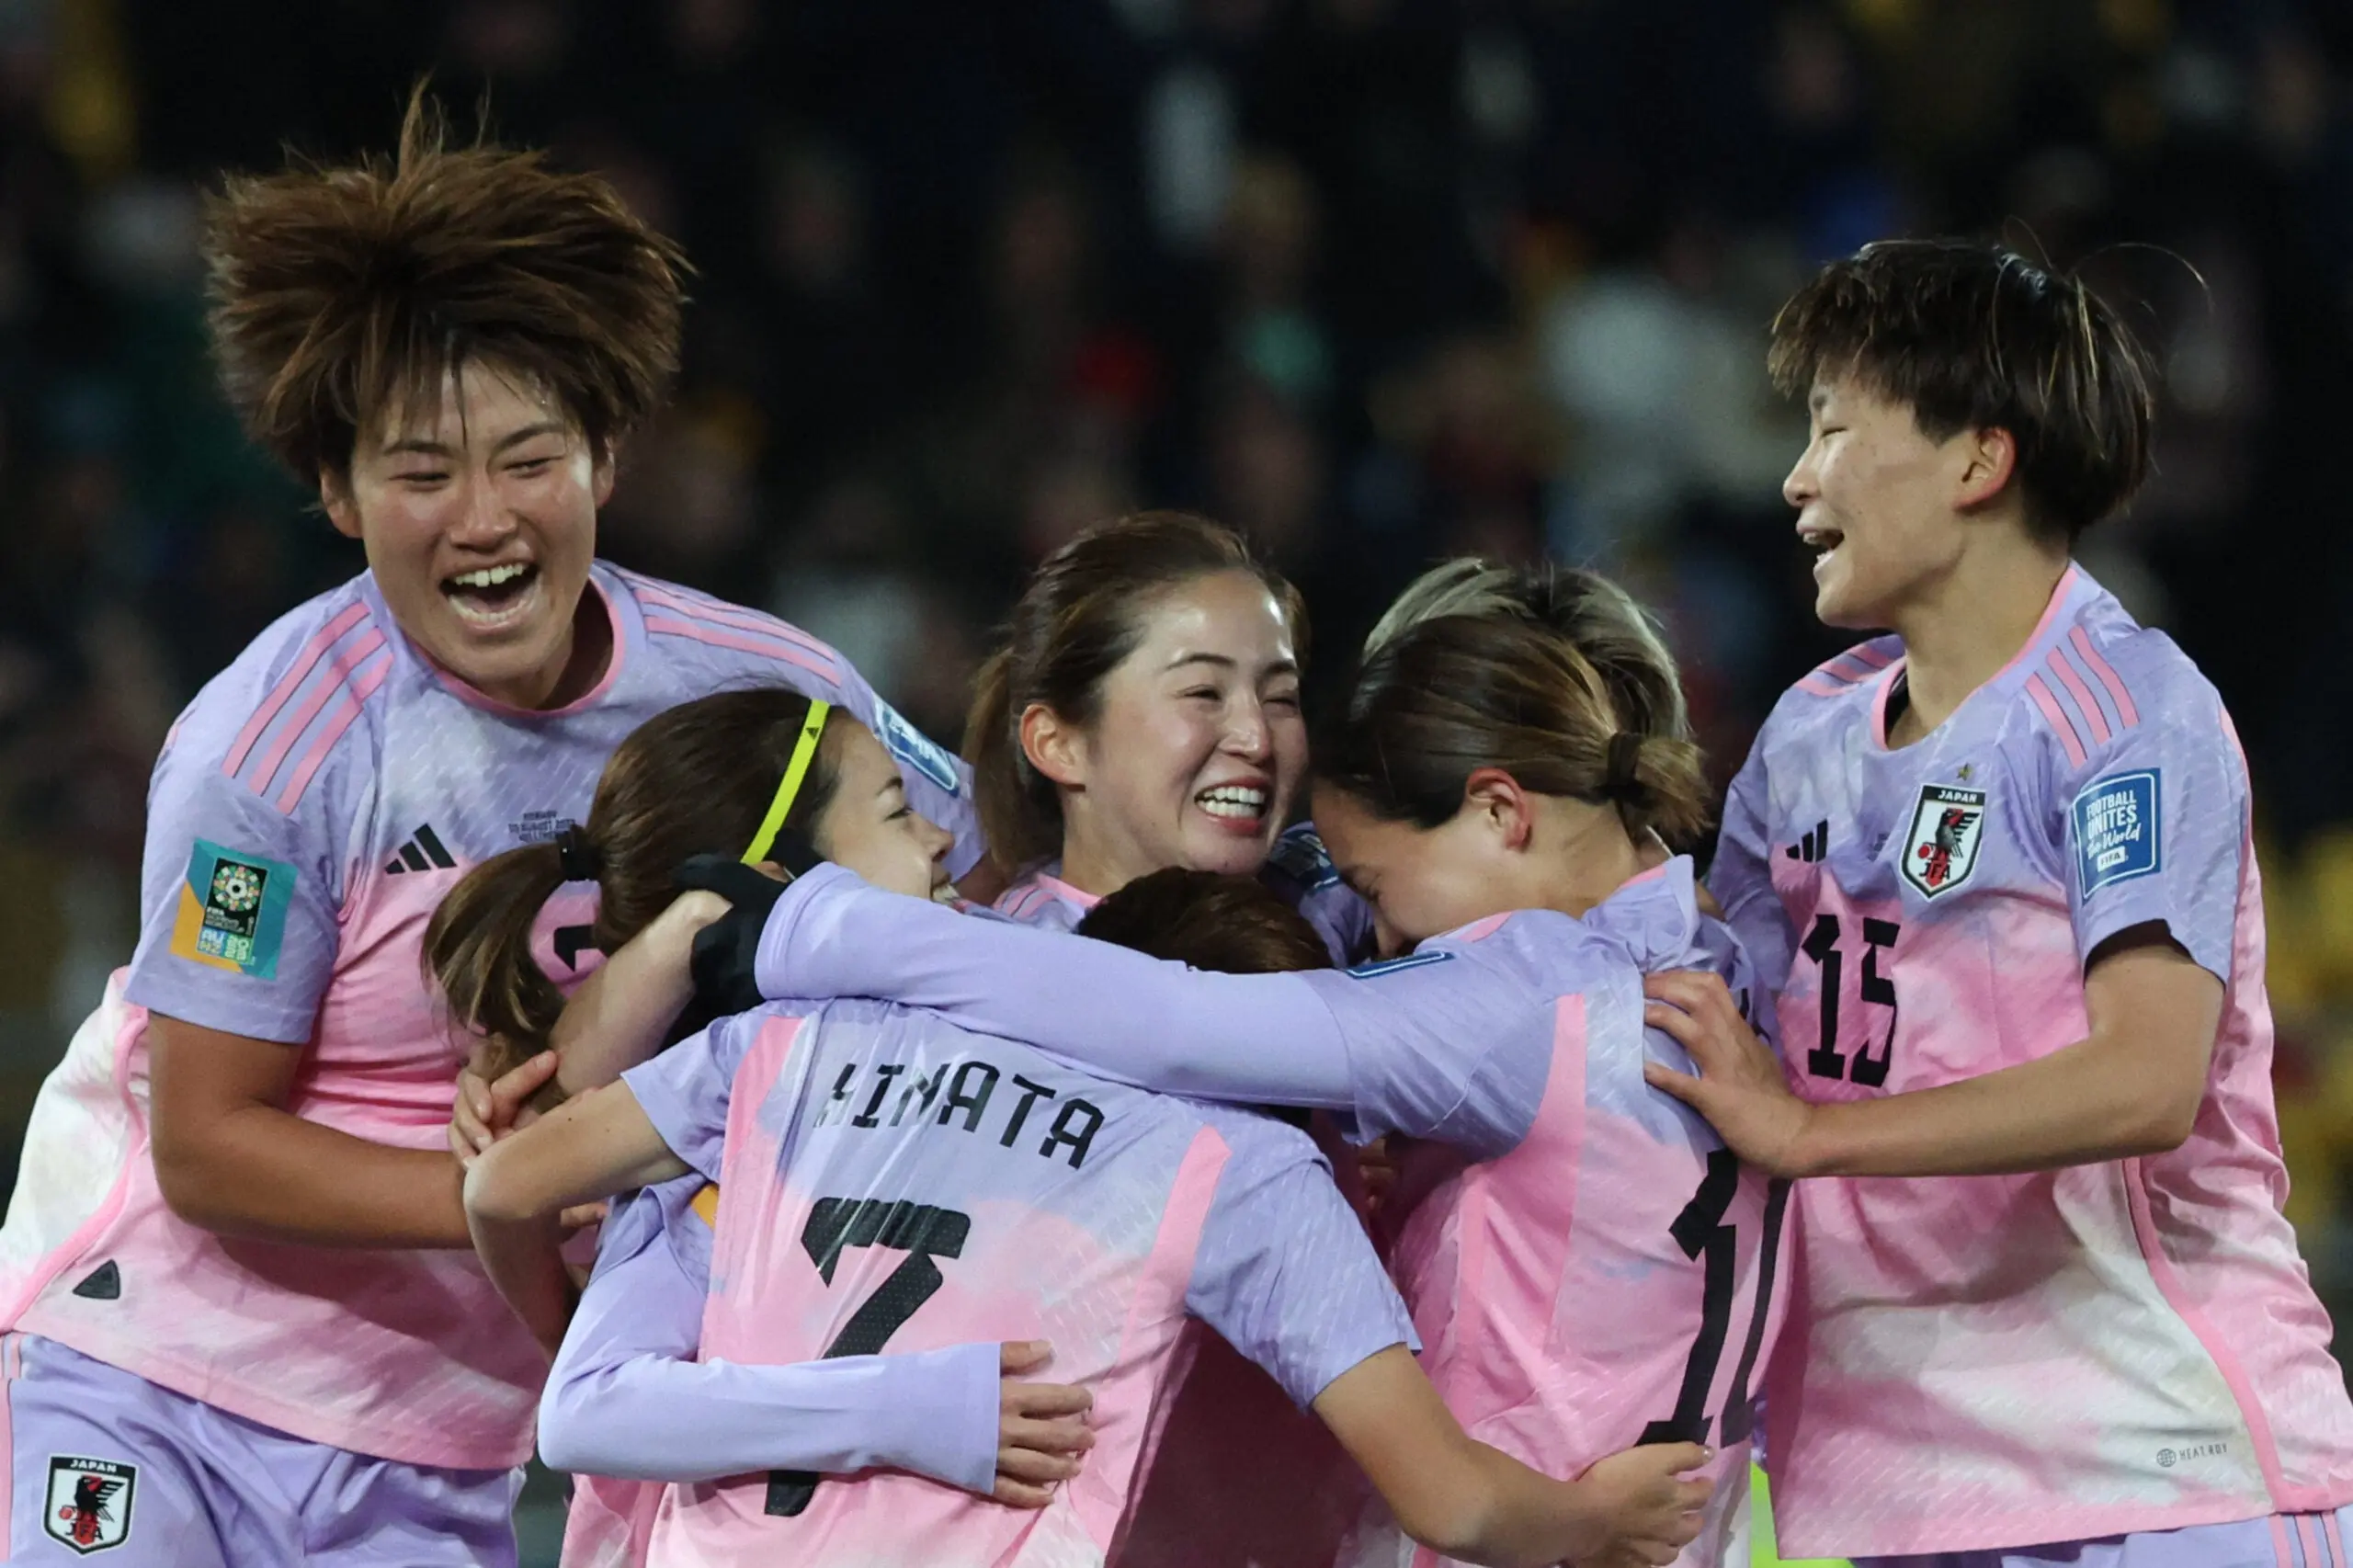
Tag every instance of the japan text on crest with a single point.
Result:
(90, 1503)
(1941, 849)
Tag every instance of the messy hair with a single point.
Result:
(1974, 336)
(343, 296)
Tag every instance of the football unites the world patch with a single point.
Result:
(2116, 821)
(1947, 824)
(1380, 967)
(90, 1503)
(913, 747)
(232, 910)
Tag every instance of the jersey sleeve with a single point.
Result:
(627, 1398)
(1443, 1044)
(238, 889)
(1285, 1273)
(1151, 1022)
(684, 1090)
(2155, 820)
(1741, 876)
(1451, 1042)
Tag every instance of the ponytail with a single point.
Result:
(478, 947)
(1557, 677)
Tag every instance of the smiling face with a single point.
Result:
(1875, 500)
(868, 825)
(1198, 745)
(479, 517)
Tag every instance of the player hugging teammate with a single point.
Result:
(1991, 914)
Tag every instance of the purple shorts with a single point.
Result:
(2275, 1540)
(104, 1463)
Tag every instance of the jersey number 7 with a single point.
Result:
(1701, 1233)
(918, 1229)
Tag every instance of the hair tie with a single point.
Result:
(575, 856)
(1617, 781)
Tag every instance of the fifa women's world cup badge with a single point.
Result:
(1941, 849)
(90, 1503)
(232, 910)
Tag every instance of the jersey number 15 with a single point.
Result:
(1866, 1067)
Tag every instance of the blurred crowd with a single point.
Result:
(1378, 280)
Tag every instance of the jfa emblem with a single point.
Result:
(1946, 827)
(90, 1503)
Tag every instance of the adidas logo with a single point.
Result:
(1813, 846)
(421, 853)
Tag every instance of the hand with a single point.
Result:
(1377, 1175)
(1740, 1089)
(1643, 1513)
(1041, 1429)
(485, 1112)
(726, 950)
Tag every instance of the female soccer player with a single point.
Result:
(237, 1288)
(762, 771)
(1996, 867)
(1142, 712)
(893, 1183)
(1604, 1274)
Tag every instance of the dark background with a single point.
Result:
(1379, 280)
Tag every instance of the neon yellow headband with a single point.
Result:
(804, 751)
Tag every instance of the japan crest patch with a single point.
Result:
(90, 1503)
(1941, 849)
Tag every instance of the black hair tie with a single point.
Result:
(1618, 781)
(576, 856)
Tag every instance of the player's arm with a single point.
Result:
(627, 1397)
(1463, 1499)
(1284, 1272)
(618, 1017)
(1260, 1039)
(2130, 1086)
(515, 1192)
(231, 1158)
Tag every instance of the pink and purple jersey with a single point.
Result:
(1239, 1475)
(893, 1184)
(308, 812)
(1601, 1272)
(1991, 1361)
(1300, 868)
(628, 1406)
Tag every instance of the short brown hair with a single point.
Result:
(1081, 615)
(1533, 670)
(1974, 336)
(341, 296)
(1211, 920)
(694, 779)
